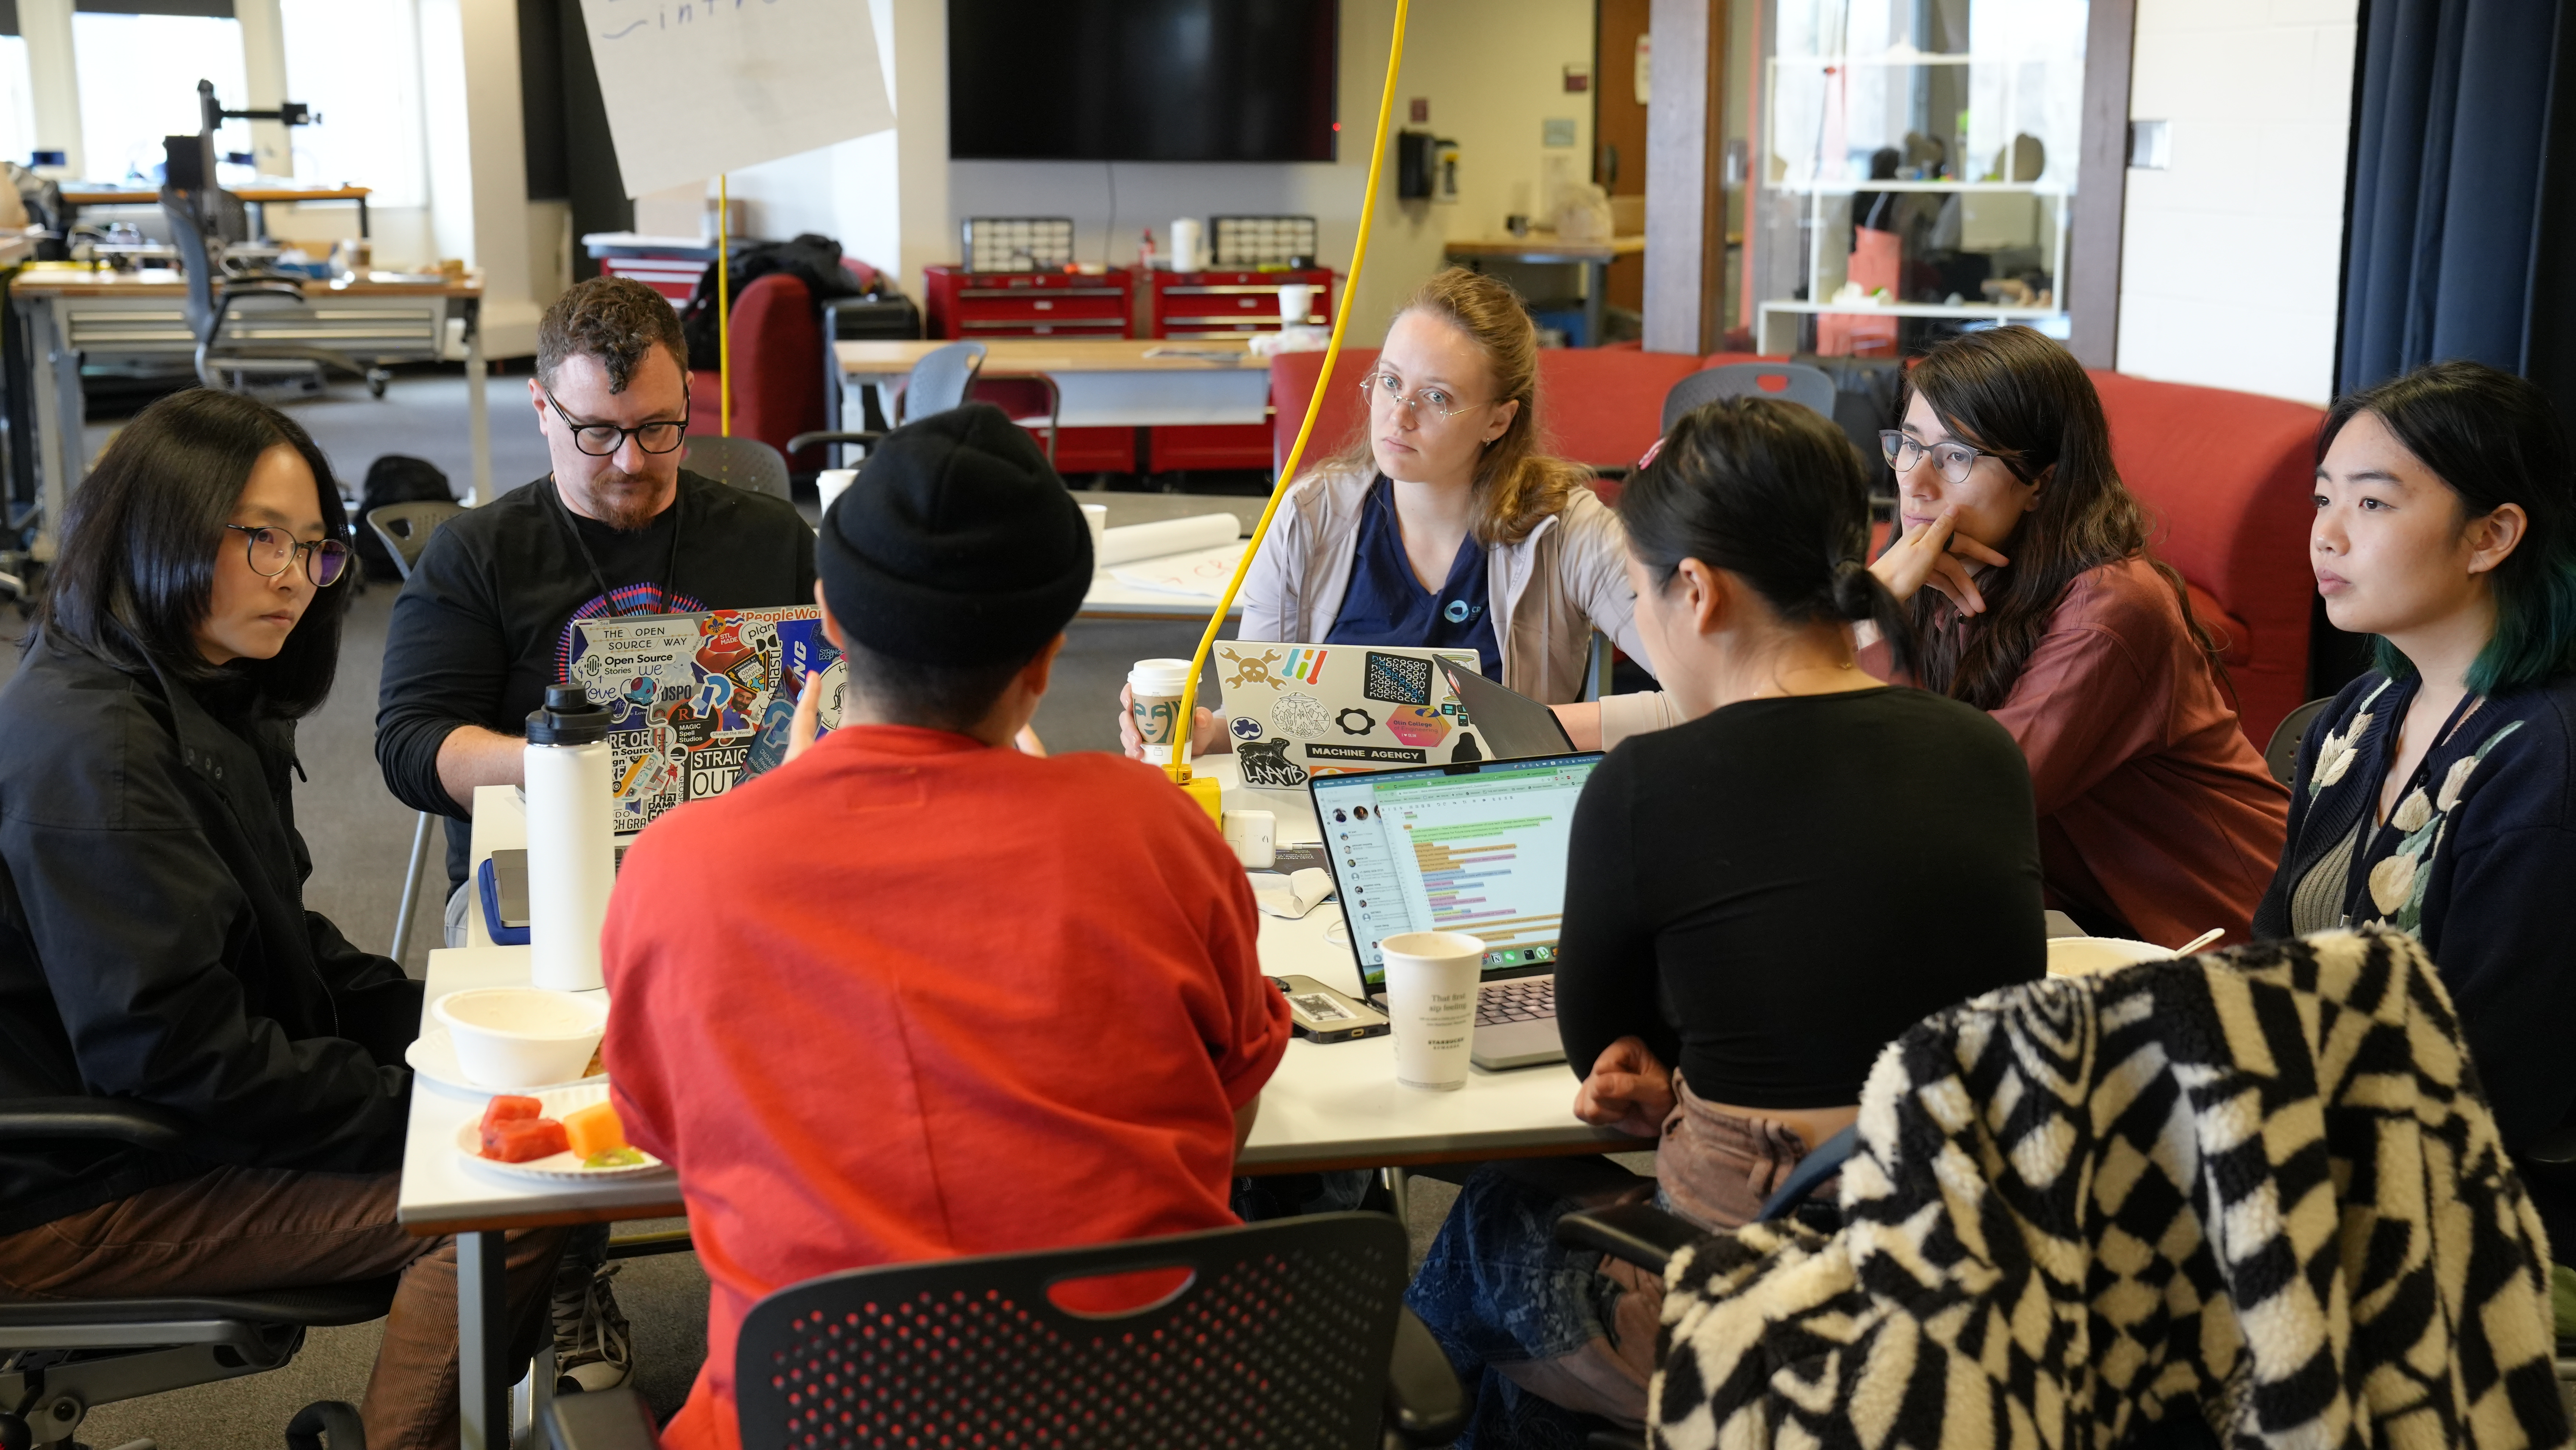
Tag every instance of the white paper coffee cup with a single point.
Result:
(1296, 302)
(1154, 703)
(1431, 981)
(1095, 517)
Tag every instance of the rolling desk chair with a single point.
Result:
(210, 302)
(2282, 753)
(1806, 386)
(942, 380)
(405, 529)
(746, 463)
(61, 1358)
(1305, 1342)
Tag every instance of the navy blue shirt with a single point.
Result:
(1387, 605)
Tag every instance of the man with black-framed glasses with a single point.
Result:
(617, 527)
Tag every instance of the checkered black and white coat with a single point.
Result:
(2260, 1186)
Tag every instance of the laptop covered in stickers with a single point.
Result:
(1299, 711)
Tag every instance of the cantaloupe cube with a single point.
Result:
(594, 1129)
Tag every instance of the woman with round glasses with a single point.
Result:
(154, 944)
(2024, 563)
(1443, 525)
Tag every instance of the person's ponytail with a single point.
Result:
(1772, 492)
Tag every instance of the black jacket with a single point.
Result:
(154, 943)
(2494, 847)
(486, 622)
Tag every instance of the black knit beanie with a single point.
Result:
(956, 544)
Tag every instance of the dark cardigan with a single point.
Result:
(2487, 896)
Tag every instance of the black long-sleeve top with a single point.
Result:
(485, 622)
(154, 944)
(1769, 894)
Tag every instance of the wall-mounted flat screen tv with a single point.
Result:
(1141, 80)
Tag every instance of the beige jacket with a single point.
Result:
(1548, 592)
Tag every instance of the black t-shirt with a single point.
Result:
(1771, 893)
(485, 622)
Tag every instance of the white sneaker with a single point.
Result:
(593, 1348)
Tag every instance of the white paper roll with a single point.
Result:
(1185, 244)
(1171, 536)
(572, 863)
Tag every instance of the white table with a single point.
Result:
(1331, 1105)
(1101, 382)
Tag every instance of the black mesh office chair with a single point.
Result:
(405, 529)
(211, 299)
(61, 1358)
(746, 463)
(942, 380)
(1287, 1333)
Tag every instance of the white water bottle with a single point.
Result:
(572, 858)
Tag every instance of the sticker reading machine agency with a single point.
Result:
(1371, 754)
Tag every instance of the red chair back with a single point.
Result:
(777, 369)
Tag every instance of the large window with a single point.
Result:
(357, 63)
(17, 102)
(138, 84)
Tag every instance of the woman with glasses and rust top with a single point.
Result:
(1443, 524)
(2024, 563)
(155, 951)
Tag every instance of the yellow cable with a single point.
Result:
(724, 332)
(1187, 727)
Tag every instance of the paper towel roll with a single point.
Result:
(1170, 536)
(1185, 244)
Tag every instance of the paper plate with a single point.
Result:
(433, 1055)
(562, 1167)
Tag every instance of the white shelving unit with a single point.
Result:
(1822, 111)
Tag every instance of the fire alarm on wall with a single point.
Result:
(1578, 78)
(1421, 110)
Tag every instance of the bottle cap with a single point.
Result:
(567, 718)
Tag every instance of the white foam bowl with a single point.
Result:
(2085, 956)
(513, 1037)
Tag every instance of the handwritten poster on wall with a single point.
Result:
(697, 87)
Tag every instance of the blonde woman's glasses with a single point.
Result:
(1383, 387)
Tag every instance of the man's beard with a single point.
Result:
(623, 501)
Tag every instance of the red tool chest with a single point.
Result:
(1222, 303)
(977, 305)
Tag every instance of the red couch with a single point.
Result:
(2223, 474)
(2226, 477)
(777, 369)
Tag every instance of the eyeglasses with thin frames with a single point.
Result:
(272, 551)
(1903, 451)
(602, 440)
(1439, 401)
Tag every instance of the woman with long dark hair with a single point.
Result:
(1745, 907)
(2437, 795)
(2024, 566)
(154, 945)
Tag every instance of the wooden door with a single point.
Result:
(1619, 130)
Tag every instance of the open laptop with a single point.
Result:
(1297, 711)
(1515, 726)
(1477, 848)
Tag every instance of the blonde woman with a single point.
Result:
(1444, 524)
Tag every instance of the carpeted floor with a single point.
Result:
(360, 836)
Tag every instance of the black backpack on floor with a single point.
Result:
(393, 478)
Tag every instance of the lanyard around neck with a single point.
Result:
(670, 566)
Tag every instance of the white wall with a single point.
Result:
(2230, 258)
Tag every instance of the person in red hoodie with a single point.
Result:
(916, 994)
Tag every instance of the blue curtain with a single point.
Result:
(2447, 253)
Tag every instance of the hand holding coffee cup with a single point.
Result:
(1431, 983)
(1154, 705)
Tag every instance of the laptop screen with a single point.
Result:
(1479, 849)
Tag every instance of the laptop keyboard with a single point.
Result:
(1522, 999)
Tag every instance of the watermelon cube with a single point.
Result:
(518, 1140)
(504, 1108)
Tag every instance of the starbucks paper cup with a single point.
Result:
(1431, 982)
